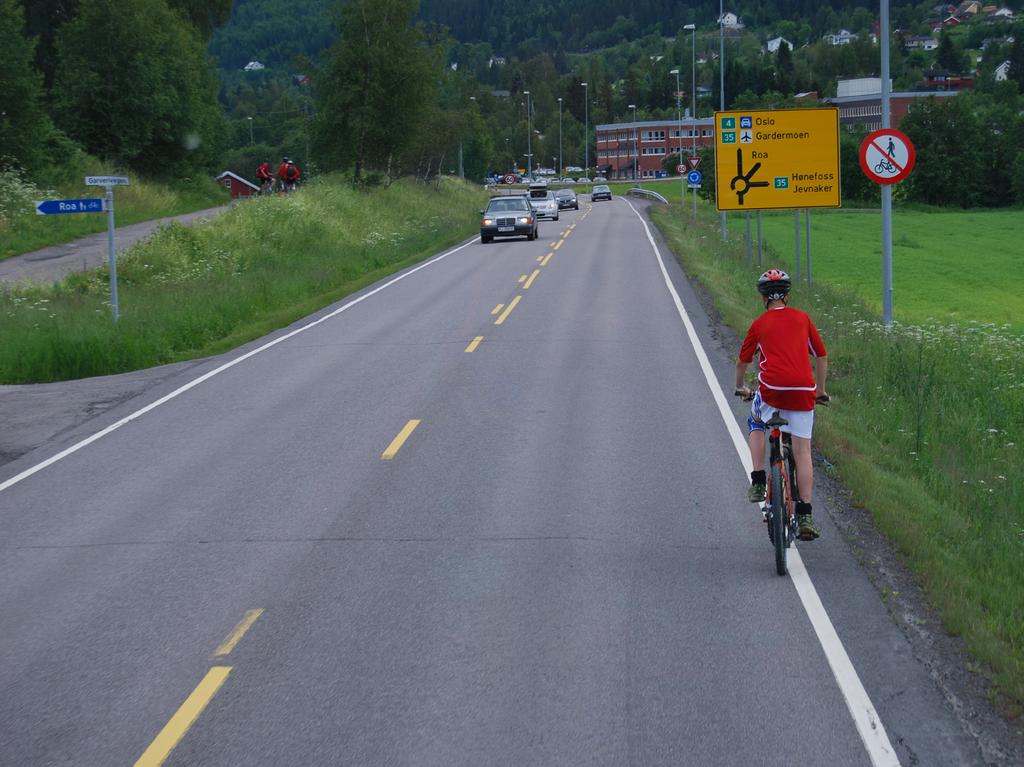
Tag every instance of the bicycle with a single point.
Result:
(267, 186)
(884, 165)
(782, 491)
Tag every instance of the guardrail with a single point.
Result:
(640, 192)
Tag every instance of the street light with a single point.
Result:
(462, 172)
(721, 71)
(586, 130)
(529, 142)
(560, 173)
(693, 107)
(636, 148)
(250, 130)
(679, 118)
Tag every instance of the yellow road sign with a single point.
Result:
(782, 158)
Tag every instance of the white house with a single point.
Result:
(1003, 72)
(253, 66)
(775, 43)
(922, 42)
(842, 37)
(730, 20)
(1005, 13)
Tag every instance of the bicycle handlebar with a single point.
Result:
(747, 395)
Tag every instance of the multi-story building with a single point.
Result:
(860, 103)
(638, 149)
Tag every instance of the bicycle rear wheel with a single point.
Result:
(778, 518)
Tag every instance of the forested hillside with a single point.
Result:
(581, 25)
(273, 32)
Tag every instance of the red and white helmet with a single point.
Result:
(774, 284)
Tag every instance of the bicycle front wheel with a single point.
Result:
(778, 518)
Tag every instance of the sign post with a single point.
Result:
(777, 159)
(784, 159)
(693, 161)
(58, 207)
(110, 182)
(887, 156)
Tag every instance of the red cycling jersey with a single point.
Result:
(784, 337)
(282, 172)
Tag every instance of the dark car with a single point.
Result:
(566, 199)
(600, 192)
(508, 216)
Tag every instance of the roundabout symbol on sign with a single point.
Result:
(694, 177)
(887, 156)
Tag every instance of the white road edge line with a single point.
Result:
(206, 376)
(866, 719)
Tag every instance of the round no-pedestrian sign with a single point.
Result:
(887, 156)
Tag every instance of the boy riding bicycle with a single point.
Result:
(784, 337)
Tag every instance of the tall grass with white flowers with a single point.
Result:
(192, 291)
(927, 433)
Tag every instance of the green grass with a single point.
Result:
(951, 265)
(143, 200)
(193, 291)
(925, 429)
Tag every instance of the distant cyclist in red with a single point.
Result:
(786, 339)
(289, 175)
(264, 177)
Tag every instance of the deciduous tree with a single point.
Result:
(134, 85)
(378, 81)
(24, 125)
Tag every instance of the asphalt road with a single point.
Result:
(557, 566)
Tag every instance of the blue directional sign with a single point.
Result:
(55, 207)
(694, 177)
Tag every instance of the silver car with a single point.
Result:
(544, 204)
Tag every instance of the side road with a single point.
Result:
(55, 262)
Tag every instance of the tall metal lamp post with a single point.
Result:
(636, 147)
(560, 173)
(586, 130)
(679, 119)
(721, 71)
(250, 131)
(693, 104)
(529, 139)
(462, 168)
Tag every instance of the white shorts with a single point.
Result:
(801, 422)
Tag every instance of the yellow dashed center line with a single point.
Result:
(235, 636)
(539, 257)
(529, 282)
(508, 310)
(473, 344)
(497, 309)
(557, 245)
(397, 442)
(175, 729)
(547, 258)
(522, 278)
